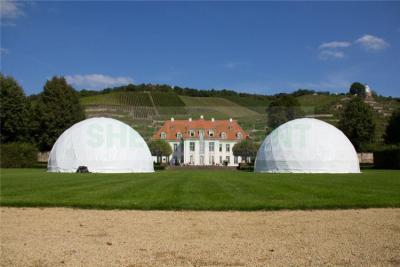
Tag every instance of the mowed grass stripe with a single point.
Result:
(200, 190)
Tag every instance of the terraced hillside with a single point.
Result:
(168, 103)
(215, 106)
(146, 110)
(137, 104)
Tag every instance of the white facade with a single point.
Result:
(221, 156)
(201, 142)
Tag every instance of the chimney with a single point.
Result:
(230, 120)
(212, 119)
(190, 119)
(172, 119)
(201, 117)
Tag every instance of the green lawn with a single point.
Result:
(200, 190)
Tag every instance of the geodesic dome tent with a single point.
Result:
(103, 145)
(307, 146)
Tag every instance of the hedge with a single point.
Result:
(387, 158)
(246, 167)
(18, 155)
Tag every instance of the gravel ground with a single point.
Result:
(72, 237)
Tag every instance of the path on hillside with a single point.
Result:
(69, 237)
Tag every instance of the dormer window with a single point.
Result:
(223, 135)
(179, 135)
(239, 135)
(163, 135)
(191, 133)
(211, 133)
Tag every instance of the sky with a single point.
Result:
(256, 47)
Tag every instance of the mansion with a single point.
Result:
(202, 142)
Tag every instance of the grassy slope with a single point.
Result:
(258, 104)
(315, 104)
(215, 106)
(200, 190)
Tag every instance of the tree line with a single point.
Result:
(42, 119)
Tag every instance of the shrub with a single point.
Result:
(388, 158)
(159, 166)
(18, 155)
(243, 166)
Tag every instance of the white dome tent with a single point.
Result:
(103, 145)
(307, 146)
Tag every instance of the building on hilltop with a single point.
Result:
(202, 142)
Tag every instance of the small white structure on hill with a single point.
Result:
(102, 145)
(307, 146)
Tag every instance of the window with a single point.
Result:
(191, 159)
(175, 147)
(235, 160)
(179, 135)
(220, 147)
(163, 135)
(192, 146)
(220, 159)
(211, 160)
(228, 148)
(239, 135)
(228, 159)
(211, 133)
(223, 135)
(211, 146)
(191, 133)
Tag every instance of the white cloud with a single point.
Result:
(96, 81)
(335, 44)
(372, 43)
(329, 54)
(11, 9)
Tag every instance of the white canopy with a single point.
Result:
(307, 146)
(103, 145)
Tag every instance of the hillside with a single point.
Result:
(147, 109)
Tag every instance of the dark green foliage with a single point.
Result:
(245, 149)
(244, 166)
(160, 148)
(357, 122)
(200, 190)
(392, 134)
(357, 89)
(18, 155)
(14, 111)
(388, 158)
(301, 92)
(160, 166)
(283, 109)
(57, 108)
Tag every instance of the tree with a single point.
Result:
(283, 109)
(14, 111)
(245, 149)
(160, 148)
(358, 89)
(357, 122)
(392, 133)
(56, 109)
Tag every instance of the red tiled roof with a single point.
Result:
(172, 127)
